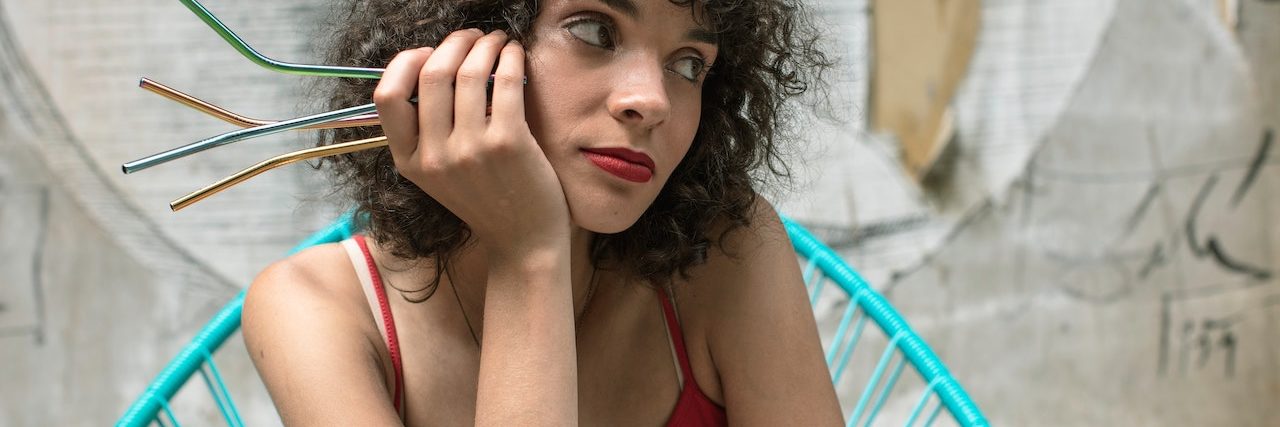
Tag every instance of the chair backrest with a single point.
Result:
(937, 388)
(934, 386)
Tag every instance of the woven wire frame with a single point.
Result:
(871, 388)
(899, 346)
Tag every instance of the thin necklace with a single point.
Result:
(577, 323)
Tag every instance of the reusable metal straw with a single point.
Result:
(266, 165)
(272, 64)
(284, 67)
(243, 134)
(275, 162)
(239, 120)
(348, 117)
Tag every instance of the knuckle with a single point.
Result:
(471, 77)
(434, 75)
(428, 165)
(508, 79)
(467, 159)
(498, 135)
(513, 51)
(383, 94)
(501, 144)
(406, 56)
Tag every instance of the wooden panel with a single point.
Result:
(921, 52)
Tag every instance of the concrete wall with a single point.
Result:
(101, 283)
(1099, 250)
(1102, 249)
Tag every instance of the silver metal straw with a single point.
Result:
(242, 134)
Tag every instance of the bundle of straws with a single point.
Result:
(363, 115)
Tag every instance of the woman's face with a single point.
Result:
(614, 97)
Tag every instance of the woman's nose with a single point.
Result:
(639, 97)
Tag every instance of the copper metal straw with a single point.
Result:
(239, 120)
(275, 162)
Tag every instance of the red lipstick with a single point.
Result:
(623, 163)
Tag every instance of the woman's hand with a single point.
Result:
(487, 169)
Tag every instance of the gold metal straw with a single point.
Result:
(239, 120)
(275, 162)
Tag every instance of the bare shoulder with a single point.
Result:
(744, 247)
(751, 324)
(755, 258)
(316, 284)
(308, 331)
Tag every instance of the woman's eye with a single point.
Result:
(690, 67)
(592, 32)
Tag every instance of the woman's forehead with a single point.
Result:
(666, 12)
(635, 9)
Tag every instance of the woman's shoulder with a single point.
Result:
(322, 274)
(754, 259)
(311, 337)
(315, 286)
(752, 327)
(738, 251)
(750, 273)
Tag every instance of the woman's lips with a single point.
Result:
(622, 163)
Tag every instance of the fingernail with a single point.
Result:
(499, 33)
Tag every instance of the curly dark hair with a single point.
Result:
(769, 54)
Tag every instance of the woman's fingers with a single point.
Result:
(470, 98)
(508, 87)
(451, 83)
(436, 84)
(477, 167)
(400, 117)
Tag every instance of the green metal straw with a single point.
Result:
(284, 67)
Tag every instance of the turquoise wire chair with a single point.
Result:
(901, 344)
(823, 265)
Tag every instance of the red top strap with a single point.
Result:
(393, 342)
(693, 408)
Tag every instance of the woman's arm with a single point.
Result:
(304, 331)
(528, 366)
(490, 172)
(760, 331)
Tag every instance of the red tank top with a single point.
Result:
(693, 408)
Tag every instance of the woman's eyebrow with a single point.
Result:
(628, 8)
(625, 7)
(703, 35)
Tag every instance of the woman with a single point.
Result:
(578, 243)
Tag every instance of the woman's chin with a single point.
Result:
(605, 224)
(605, 209)
(604, 218)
